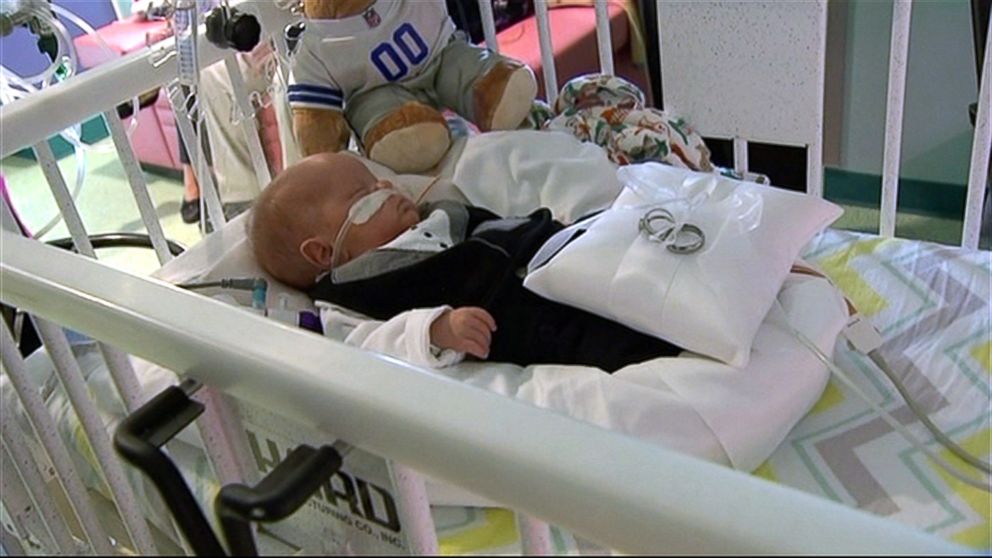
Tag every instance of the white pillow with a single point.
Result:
(711, 301)
(514, 172)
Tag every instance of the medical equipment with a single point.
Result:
(866, 339)
(359, 213)
(620, 478)
(55, 41)
(228, 27)
(256, 285)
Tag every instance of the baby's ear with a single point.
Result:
(318, 252)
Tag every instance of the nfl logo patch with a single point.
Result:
(372, 17)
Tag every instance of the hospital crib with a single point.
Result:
(613, 490)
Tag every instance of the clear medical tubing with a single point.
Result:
(48, 433)
(85, 26)
(33, 482)
(938, 434)
(62, 39)
(26, 85)
(247, 120)
(886, 416)
(898, 59)
(71, 378)
(72, 134)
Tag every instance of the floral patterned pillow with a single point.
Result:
(609, 111)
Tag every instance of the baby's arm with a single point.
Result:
(408, 336)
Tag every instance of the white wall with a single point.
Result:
(941, 84)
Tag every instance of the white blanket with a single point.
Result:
(734, 416)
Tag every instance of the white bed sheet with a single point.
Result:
(735, 416)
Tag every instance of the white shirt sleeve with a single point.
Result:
(310, 82)
(405, 336)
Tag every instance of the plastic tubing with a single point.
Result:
(72, 135)
(60, 38)
(104, 46)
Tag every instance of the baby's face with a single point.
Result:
(353, 182)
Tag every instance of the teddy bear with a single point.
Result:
(384, 69)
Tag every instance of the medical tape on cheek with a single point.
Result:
(369, 205)
(360, 212)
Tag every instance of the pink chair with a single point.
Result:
(573, 38)
(156, 140)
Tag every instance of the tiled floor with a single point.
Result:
(106, 205)
(105, 202)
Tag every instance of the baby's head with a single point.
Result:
(296, 220)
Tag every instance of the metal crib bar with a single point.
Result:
(547, 51)
(488, 24)
(24, 487)
(898, 58)
(978, 175)
(139, 187)
(11, 544)
(603, 36)
(415, 510)
(248, 124)
(223, 438)
(814, 147)
(814, 169)
(208, 189)
(120, 367)
(71, 378)
(740, 154)
(24, 522)
(63, 198)
(48, 433)
(535, 536)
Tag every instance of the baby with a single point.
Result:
(447, 277)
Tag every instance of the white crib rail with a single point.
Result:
(981, 146)
(898, 60)
(616, 491)
(642, 499)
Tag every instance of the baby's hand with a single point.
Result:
(467, 330)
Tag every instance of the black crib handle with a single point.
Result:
(139, 440)
(277, 496)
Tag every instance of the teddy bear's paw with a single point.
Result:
(412, 139)
(504, 95)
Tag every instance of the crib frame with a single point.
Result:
(636, 509)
